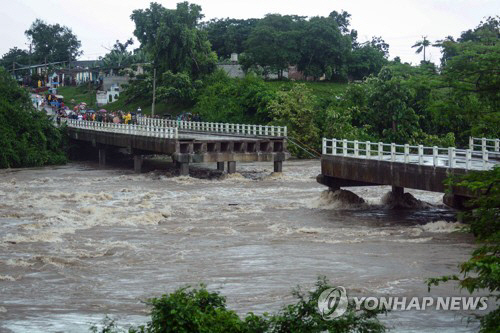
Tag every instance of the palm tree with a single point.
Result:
(422, 44)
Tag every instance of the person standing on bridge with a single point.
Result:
(128, 117)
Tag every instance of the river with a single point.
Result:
(78, 242)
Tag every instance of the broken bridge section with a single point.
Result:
(347, 163)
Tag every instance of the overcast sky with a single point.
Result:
(98, 23)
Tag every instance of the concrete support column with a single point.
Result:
(231, 167)
(102, 157)
(278, 166)
(398, 191)
(220, 166)
(138, 159)
(183, 168)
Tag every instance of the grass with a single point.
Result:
(322, 90)
(78, 94)
(319, 89)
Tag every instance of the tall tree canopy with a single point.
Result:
(52, 42)
(228, 35)
(274, 43)
(173, 39)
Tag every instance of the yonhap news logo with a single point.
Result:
(333, 303)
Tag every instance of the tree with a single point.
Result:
(421, 45)
(173, 39)
(295, 109)
(470, 81)
(52, 42)
(323, 48)
(368, 58)
(119, 57)
(228, 35)
(27, 137)
(274, 43)
(16, 57)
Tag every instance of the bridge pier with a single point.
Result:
(138, 159)
(102, 156)
(398, 191)
(220, 166)
(231, 166)
(278, 166)
(183, 168)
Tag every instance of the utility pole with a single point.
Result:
(46, 72)
(154, 92)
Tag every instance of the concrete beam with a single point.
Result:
(231, 167)
(220, 166)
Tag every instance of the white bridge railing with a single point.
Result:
(143, 130)
(238, 129)
(482, 144)
(431, 156)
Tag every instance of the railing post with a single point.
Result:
(407, 153)
(471, 143)
(435, 154)
(380, 150)
(344, 147)
(468, 155)
(285, 131)
(324, 146)
(485, 159)
(497, 145)
(420, 155)
(451, 157)
(368, 149)
(334, 147)
(483, 144)
(356, 148)
(393, 152)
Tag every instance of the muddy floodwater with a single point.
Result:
(77, 243)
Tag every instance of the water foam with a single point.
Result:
(442, 227)
(340, 199)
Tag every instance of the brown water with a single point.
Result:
(77, 243)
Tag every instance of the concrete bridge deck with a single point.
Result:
(184, 145)
(351, 163)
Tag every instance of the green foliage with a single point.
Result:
(482, 270)
(179, 49)
(295, 109)
(52, 42)
(198, 310)
(172, 38)
(119, 57)
(367, 58)
(421, 45)
(323, 49)
(27, 137)
(15, 55)
(228, 35)
(273, 43)
(234, 100)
